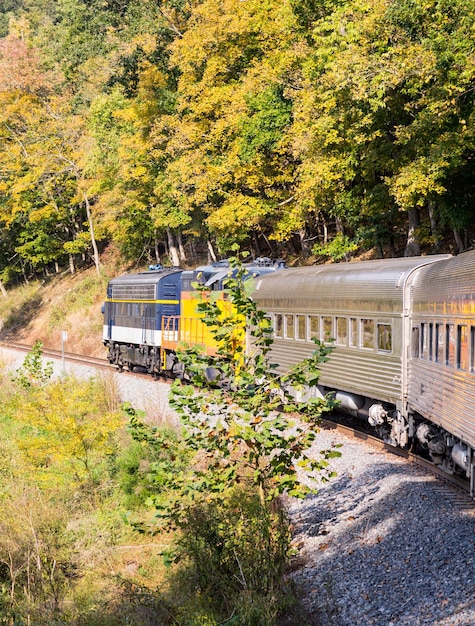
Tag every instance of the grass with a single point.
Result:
(87, 564)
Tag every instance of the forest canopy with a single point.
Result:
(170, 128)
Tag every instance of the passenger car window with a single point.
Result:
(431, 341)
(415, 342)
(313, 326)
(301, 327)
(277, 325)
(385, 337)
(289, 326)
(439, 343)
(462, 347)
(472, 349)
(450, 337)
(367, 333)
(426, 341)
(341, 330)
(353, 332)
(327, 328)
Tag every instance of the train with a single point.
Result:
(147, 314)
(402, 332)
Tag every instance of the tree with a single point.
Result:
(382, 121)
(244, 443)
(42, 163)
(69, 424)
(229, 159)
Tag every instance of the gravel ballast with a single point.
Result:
(384, 543)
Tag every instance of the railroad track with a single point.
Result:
(80, 359)
(350, 431)
(462, 486)
(58, 354)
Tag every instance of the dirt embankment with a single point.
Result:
(43, 310)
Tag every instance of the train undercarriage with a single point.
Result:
(413, 433)
(416, 433)
(155, 360)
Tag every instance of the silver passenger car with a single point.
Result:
(442, 363)
(403, 332)
(364, 307)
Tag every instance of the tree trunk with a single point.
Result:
(458, 240)
(304, 243)
(3, 290)
(156, 250)
(433, 227)
(211, 252)
(181, 248)
(93, 238)
(392, 246)
(173, 251)
(72, 268)
(412, 245)
(266, 239)
(194, 254)
(257, 247)
(25, 277)
(325, 232)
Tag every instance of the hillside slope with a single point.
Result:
(42, 310)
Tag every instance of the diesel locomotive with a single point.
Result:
(146, 315)
(402, 331)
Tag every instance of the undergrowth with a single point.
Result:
(68, 552)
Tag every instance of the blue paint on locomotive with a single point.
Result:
(136, 304)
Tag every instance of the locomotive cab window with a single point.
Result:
(384, 337)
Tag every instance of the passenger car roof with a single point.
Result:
(375, 279)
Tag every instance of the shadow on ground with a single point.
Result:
(19, 317)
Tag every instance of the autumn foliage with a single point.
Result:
(177, 128)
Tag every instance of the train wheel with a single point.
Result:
(115, 357)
